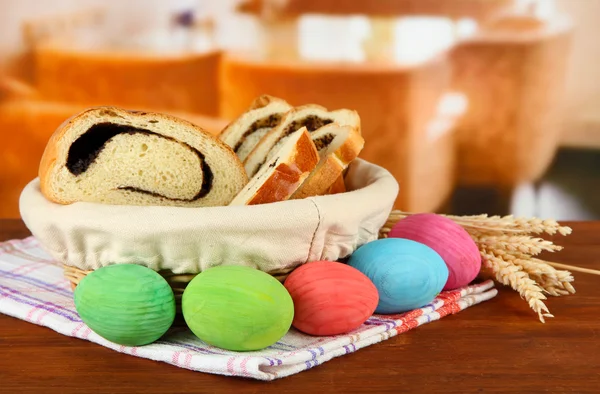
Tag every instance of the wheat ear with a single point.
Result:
(511, 275)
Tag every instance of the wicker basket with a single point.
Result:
(181, 242)
(179, 282)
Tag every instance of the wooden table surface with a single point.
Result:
(497, 346)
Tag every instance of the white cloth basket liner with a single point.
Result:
(274, 238)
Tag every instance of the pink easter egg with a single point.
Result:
(452, 242)
(330, 298)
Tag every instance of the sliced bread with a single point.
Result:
(339, 186)
(279, 178)
(113, 156)
(310, 116)
(262, 116)
(338, 146)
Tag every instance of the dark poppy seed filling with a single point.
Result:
(323, 141)
(270, 121)
(85, 149)
(311, 122)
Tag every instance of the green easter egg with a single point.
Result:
(237, 308)
(127, 304)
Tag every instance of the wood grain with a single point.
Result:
(498, 346)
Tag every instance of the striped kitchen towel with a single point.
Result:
(32, 288)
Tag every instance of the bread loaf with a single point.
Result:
(113, 156)
(310, 116)
(280, 177)
(338, 146)
(246, 131)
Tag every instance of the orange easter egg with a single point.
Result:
(330, 298)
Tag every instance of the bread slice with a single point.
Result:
(338, 146)
(243, 133)
(279, 178)
(339, 186)
(310, 116)
(114, 156)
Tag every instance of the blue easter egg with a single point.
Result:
(407, 274)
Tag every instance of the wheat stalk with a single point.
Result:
(485, 224)
(548, 278)
(517, 243)
(511, 275)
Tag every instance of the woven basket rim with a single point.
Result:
(176, 281)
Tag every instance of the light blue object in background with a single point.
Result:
(407, 274)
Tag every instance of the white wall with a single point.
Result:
(583, 82)
(14, 12)
(122, 13)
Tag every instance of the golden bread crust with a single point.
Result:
(258, 103)
(339, 186)
(264, 100)
(331, 167)
(49, 157)
(287, 176)
(320, 181)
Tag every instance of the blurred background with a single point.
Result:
(474, 105)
